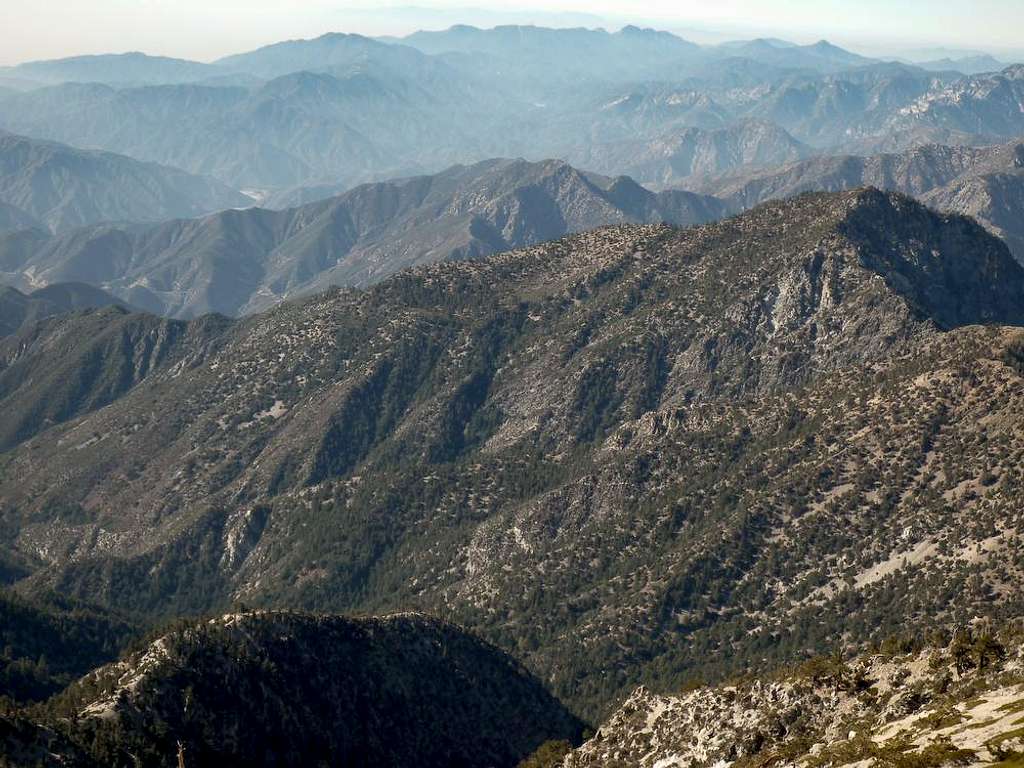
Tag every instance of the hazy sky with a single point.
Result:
(206, 29)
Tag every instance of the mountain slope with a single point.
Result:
(986, 103)
(71, 364)
(14, 219)
(996, 200)
(240, 261)
(63, 187)
(292, 689)
(597, 451)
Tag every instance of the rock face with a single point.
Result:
(240, 261)
(276, 689)
(626, 456)
(61, 187)
(936, 707)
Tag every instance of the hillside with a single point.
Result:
(291, 689)
(241, 261)
(62, 187)
(956, 704)
(664, 442)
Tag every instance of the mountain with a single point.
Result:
(984, 182)
(13, 218)
(968, 65)
(332, 52)
(821, 56)
(18, 310)
(986, 103)
(540, 57)
(293, 689)
(133, 68)
(633, 455)
(669, 160)
(955, 704)
(63, 187)
(356, 125)
(240, 261)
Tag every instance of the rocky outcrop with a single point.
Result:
(923, 706)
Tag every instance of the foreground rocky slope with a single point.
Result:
(958, 704)
(291, 689)
(240, 261)
(630, 455)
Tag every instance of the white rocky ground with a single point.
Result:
(908, 711)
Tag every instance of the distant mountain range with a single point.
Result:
(968, 65)
(58, 187)
(133, 68)
(240, 261)
(345, 109)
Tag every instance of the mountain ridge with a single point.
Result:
(693, 367)
(240, 261)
